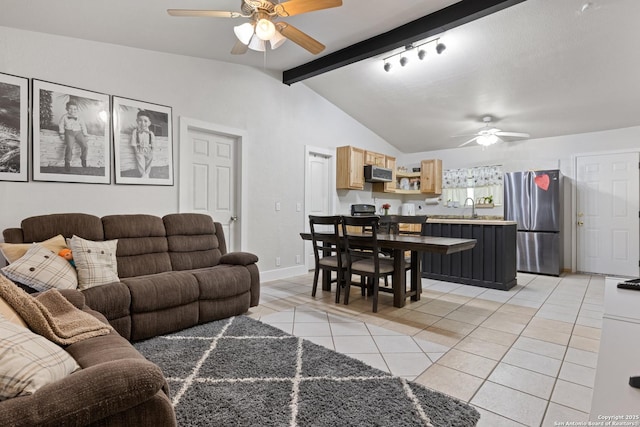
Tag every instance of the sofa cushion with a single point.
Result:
(222, 281)
(29, 361)
(160, 291)
(193, 241)
(95, 261)
(142, 244)
(13, 251)
(42, 269)
(39, 228)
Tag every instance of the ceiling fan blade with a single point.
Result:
(296, 7)
(468, 142)
(204, 13)
(514, 134)
(298, 37)
(239, 48)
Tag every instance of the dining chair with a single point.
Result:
(393, 224)
(363, 256)
(328, 250)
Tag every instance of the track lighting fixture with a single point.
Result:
(421, 53)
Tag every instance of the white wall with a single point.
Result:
(279, 120)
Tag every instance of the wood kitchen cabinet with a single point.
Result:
(350, 168)
(375, 159)
(431, 176)
(387, 187)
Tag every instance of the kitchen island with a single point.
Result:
(490, 264)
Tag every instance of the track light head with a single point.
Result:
(421, 54)
(440, 47)
(387, 66)
(404, 60)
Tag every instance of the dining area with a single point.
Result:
(375, 254)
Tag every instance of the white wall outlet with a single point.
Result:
(298, 207)
(298, 259)
(277, 261)
(278, 206)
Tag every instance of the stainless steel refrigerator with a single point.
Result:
(534, 200)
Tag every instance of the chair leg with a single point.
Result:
(338, 287)
(376, 285)
(316, 273)
(347, 288)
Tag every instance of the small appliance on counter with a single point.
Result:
(363, 210)
(408, 209)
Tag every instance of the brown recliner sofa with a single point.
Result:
(175, 272)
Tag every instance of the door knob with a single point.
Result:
(580, 223)
(233, 218)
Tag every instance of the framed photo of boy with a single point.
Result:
(71, 134)
(143, 142)
(14, 127)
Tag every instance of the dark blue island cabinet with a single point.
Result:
(490, 264)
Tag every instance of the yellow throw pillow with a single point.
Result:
(14, 251)
(10, 314)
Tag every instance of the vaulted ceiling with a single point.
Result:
(544, 67)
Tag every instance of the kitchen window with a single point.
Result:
(477, 182)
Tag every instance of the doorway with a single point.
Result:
(319, 193)
(210, 182)
(607, 206)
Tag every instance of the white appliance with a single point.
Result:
(408, 209)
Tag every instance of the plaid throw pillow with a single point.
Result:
(41, 269)
(14, 251)
(95, 261)
(29, 361)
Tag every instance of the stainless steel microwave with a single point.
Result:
(377, 174)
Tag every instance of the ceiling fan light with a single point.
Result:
(440, 47)
(244, 32)
(257, 44)
(486, 140)
(277, 40)
(265, 29)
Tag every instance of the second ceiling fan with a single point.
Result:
(264, 25)
(490, 135)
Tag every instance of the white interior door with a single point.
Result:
(608, 192)
(318, 193)
(208, 179)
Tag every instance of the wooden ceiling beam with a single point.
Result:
(422, 28)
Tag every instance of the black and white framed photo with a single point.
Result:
(71, 134)
(143, 142)
(14, 127)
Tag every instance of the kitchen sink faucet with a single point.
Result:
(473, 207)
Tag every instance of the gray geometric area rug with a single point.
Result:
(242, 372)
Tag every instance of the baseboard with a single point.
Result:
(282, 273)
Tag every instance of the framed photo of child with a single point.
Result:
(71, 134)
(14, 125)
(143, 142)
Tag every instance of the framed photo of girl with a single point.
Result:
(143, 142)
(14, 127)
(71, 134)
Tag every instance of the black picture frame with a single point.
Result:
(14, 128)
(82, 151)
(139, 161)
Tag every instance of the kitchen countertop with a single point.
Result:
(467, 220)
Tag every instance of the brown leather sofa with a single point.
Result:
(175, 272)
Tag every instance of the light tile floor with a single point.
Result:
(526, 356)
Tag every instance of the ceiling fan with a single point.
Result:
(263, 25)
(490, 135)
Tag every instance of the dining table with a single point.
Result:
(399, 244)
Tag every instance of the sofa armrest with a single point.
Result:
(74, 296)
(238, 258)
(13, 235)
(86, 396)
